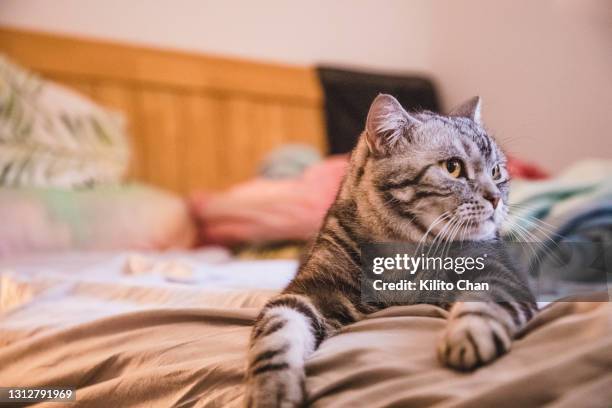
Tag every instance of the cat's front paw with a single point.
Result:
(471, 341)
(277, 389)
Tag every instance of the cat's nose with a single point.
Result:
(493, 198)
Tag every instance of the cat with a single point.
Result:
(406, 172)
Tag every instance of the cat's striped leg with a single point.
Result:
(479, 332)
(287, 331)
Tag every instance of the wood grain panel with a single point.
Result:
(83, 86)
(268, 132)
(158, 115)
(305, 124)
(201, 136)
(196, 121)
(62, 55)
(237, 151)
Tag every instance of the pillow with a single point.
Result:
(261, 210)
(133, 216)
(53, 137)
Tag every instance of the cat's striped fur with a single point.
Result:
(395, 190)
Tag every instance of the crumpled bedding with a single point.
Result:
(130, 343)
(580, 190)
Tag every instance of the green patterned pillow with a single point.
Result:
(51, 136)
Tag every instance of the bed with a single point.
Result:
(149, 339)
(138, 328)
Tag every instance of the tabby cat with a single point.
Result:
(407, 173)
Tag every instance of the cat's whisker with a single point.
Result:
(525, 236)
(448, 239)
(440, 234)
(463, 231)
(466, 229)
(538, 223)
(520, 239)
(534, 222)
(439, 219)
(524, 209)
(549, 242)
(540, 226)
(523, 240)
(444, 234)
(543, 230)
(451, 238)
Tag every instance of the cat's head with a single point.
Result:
(443, 174)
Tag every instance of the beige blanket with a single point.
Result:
(192, 353)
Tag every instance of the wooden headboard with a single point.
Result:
(196, 121)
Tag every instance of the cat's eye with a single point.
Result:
(454, 167)
(496, 172)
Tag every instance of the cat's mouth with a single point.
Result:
(477, 219)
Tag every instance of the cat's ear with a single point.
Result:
(469, 109)
(387, 124)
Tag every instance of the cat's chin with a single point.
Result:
(482, 231)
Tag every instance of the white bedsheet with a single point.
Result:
(207, 268)
(52, 291)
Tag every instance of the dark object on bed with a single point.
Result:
(348, 95)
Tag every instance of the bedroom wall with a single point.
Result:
(543, 68)
(354, 32)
